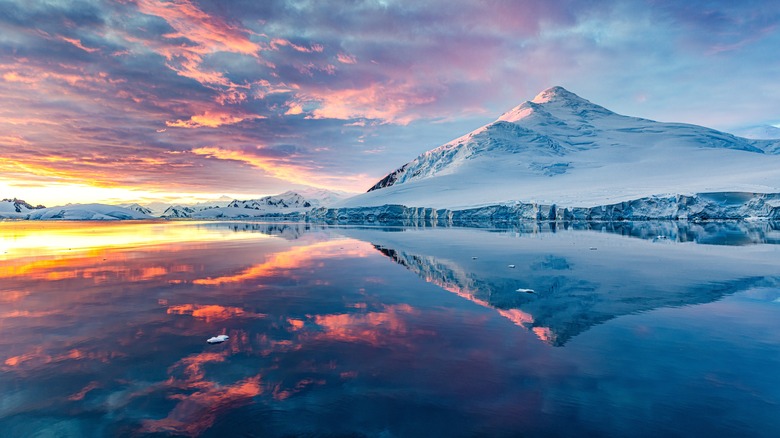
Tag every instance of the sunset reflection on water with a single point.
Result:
(117, 315)
(105, 326)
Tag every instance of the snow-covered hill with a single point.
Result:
(139, 208)
(177, 212)
(759, 132)
(562, 150)
(15, 208)
(283, 201)
(288, 205)
(86, 212)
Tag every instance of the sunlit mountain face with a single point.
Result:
(369, 331)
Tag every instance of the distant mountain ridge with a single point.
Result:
(17, 205)
(290, 205)
(287, 199)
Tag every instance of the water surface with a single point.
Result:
(356, 331)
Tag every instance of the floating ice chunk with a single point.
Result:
(528, 291)
(511, 266)
(217, 339)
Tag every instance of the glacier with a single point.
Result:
(697, 208)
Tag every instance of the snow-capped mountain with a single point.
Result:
(289, 205)
(139, 208)
(283, 201)
(86, 212)
(177, 212)
(560, 149)
(15, 208)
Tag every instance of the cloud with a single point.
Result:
(212, 120)
(78, 44)
(86, 85)
(286, 169)
(346, 59)
(388, 103)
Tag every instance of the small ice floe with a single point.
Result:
(218, 339)
(511, 266)
(528, 291)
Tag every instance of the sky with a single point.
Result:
(189, 100)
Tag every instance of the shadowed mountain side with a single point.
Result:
(578, 279)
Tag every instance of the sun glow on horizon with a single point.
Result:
(59, 193)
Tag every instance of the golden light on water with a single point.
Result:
(30, 239)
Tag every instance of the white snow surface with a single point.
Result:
(562, 149)
(291, 204)
(759, 132)
(86, 212)
(13, 209)
(139, 208)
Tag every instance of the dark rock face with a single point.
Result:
(389, 180)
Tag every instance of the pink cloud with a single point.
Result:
(346, 59)
(77, 43)
(281, 42)
(212, 120)
(389, 102)
(210, 33)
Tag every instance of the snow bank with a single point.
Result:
(86, 212)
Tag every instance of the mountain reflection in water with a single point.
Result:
(104, 329)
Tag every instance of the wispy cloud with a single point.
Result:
(288, 169)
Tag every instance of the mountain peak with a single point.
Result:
(556, 93)
(556, 102)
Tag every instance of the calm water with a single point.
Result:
(388, 332)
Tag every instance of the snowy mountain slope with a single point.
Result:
(283, 201)
(139, 208)
(289, 205)
(87, 212)
(15, 209)
(561, 149)
(177, 212)
(759, 132)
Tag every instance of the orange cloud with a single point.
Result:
(212, 120)
(212, 34)
(285, 170)
(387, 102)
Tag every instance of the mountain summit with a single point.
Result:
(562, 149)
